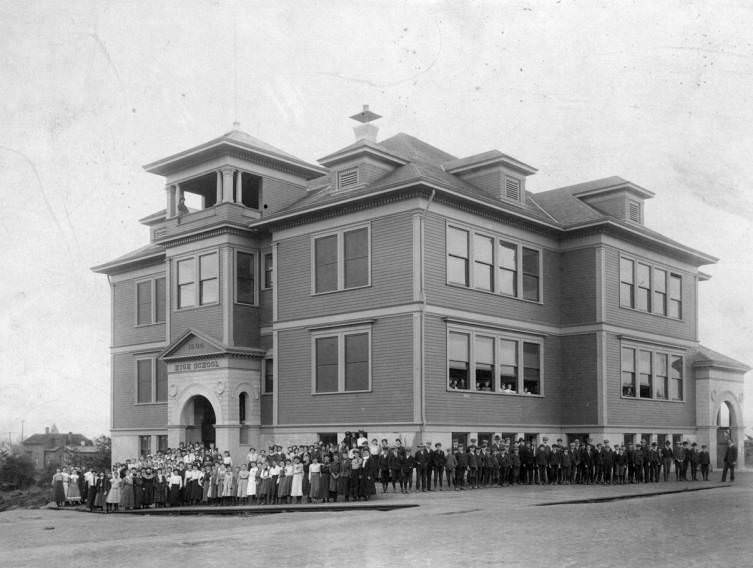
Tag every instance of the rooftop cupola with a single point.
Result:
(366, 130)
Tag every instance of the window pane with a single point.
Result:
(186, 295)
(531, 368)
(644, 373)
(457, 242)
(644, 276)
(484, 350)
(356, 272)
(507, 256)
(326, 364)
(508, 282)
(530, 287)
(459, 346)
(626, 270)
(208, 266)
(660, 280)
(244, 277)
(483, 249)
(161, 381)
(144, 380)
(268, 270)
(325, 258)
(482, 275)
(483, 266)
(628, 372)
(459, 365)
(661, 386)
(675, 286)
(269, 383)
(530, 261)
(457, 270)
(160, 300)
(484, 377)
(210, 292)
(356, 245)
(357, 362)
(186, 271)
(144, 303)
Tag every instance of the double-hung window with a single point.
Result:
(485, 262)
(652, 374)
(342, 260)
(268, 386)
(650, 289)
(268, 270)
(151, 381)
(342, 360)
(483, 362)
(150, 301)
(245, 277)
(198, 289)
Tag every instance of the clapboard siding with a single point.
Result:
(441, 294)
(246, 325)
(578, 295)
(466, 409)
(126, 413)
(265, 303)
(206, 319)
(579, 371)
(266, 408)
(391, 273)
(626, 411)
(125, 330)
(391, 396)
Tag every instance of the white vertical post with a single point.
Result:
(227, 185)
(219, 188)
(239, 187)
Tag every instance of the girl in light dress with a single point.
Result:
(228, 486)
(243, 477)
(66, 482)
(126, 491)
(252, 484)
(315, 469)
(221, 474)
(74, 494)
(296, 486)
(175, 483)
(113, 495)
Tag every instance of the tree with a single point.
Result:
(16, 471)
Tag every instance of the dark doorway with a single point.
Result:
(204, 419)
(724, 422)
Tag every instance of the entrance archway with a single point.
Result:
(199, 419)
(726, 422)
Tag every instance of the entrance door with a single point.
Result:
(723, 432)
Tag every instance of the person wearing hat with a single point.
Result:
(422, 459)
(693, 461)
(438, 461)
(667, 455)
(679, 460)
(730, 459)
(704, 459)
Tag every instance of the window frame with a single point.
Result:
(153, 304)
(341, 334)
(659, 300)
(340, 277)
(254, 263)
(498, 270)
(655, 376)
(498, 337)
(267, 280)
(154, 365)
(195, 258)
(267, 365)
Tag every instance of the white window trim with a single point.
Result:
(153, 391)
(255, 264)
(340, 258)
(654, 351)
(153, 309)
(265, 363)
(197, 279)
(497, 238)
(340, 333)
(520, 339)
(652, 266)
(263, 270)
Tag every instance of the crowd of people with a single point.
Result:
(353, 470)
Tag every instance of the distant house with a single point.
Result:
(52, 447)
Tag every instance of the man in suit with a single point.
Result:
(704, 459)
(438, 461)
(693, 455)
(730, 459)
(667, 455)
(422, 459)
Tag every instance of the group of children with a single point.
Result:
(351, 471)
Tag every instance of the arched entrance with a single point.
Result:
(199, 419)
(725, 425)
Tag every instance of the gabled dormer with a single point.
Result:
(233, 178)
(496, 174)
(618, 198)
(364, 161)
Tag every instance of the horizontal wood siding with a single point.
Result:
(125, 330)
(467, 409)
(206, 319)
(126, 413)
(441, 294)
(246, 325)
(650, 413)
(265, 302)
(391, 273)
(266, 409)
(662, 325)
(579, 372)
(578, 291)
(391, 397)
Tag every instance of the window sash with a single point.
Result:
(186, 283)
(144, 303)
(457, 256)
(342, 362)
(356, 258)
(209, 289)
(342, 261)
(269, 376)
(245, 278)
(268, 270)
(144, 380)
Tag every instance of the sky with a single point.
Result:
(659, 93)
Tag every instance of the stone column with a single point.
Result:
(239, 187)
(172, 203)
(227, 185)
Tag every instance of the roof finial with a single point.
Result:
(365, 115)
(236, 125)
(366, 130)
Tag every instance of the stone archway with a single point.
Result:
(199, 419)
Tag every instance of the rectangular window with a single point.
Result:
(457, 256)
(483, 262)
(245, 278)
(269, 376)
(508, 268)
(342, 361)
(675, 379)
(162, 443)
(532, 368)
(341, 261)
(186, 283)
(484, 356)
(660, 292)
(508, 368)
(144, 380)
(661, 384)
(675, 296)
(145, 446)
(268, 267)
(530, 274)
(644, 373)
(628, 371)
(459, 361)
(161, 382)
(498, 266)
(144, 302)
(209, 287)
(643, 291)
(627, 283)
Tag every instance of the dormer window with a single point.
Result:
(512, 188)
(634, 211)
(347, 178)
